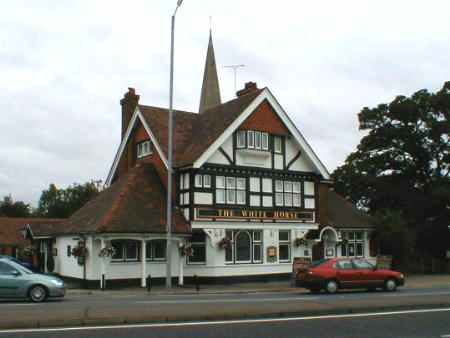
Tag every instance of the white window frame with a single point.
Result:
(150, 252)
(353, 242)
(206, 181)
(143, 149)
(264, 141)
(199, 181)
(277, 145)
(285, 243)
(241, 138)
(257, 140)
(250, 139)
(232, 235)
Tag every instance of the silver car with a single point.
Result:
(16, 281)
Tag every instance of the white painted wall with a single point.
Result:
(218, 158)
(64, 265)
(203, 198)
(302, 163)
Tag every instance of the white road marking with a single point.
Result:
(18, 304)
(225, 322)
(445, 336)
(417, 294)
(250, 300)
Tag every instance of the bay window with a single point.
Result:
(230, 190)
(287, 193)
(125, 250)
(156, 250)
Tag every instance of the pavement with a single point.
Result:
(412, 281)
(246, 300)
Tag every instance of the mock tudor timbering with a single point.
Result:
(250, 195)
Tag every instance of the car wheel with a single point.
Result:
(331, 286)
(37, 294)
(390, 285)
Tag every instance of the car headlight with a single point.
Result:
(402, 276)
(57, 282)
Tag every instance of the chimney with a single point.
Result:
(129, 102)
(249, 88)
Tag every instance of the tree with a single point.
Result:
(402, 164)
(62, 203)
(9, 208)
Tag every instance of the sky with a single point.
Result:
(65, 65)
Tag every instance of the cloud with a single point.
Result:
(65, 65)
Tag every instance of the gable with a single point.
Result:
(264, 118)
(266, 106)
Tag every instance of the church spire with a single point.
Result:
(210, 95)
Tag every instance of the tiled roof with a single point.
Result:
(344, 214)
(10, 228)
(135, 203)
(194, 133)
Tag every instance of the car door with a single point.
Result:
(365, 273)
(10, 280)
(345, 273)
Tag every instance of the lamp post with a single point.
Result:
(169, 160)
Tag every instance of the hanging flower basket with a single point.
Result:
(107, 252)
(300, 241)
(224, 243)
(186, 250)
(29, 251)
(79, 250)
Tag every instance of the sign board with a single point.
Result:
(384, 262)
(303, 216)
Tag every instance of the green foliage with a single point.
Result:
(9, 208)
(402, 163)
(62, 203)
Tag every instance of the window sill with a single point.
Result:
(255, 152)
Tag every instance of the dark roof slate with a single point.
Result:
(10, 228)
(135, 203)
(194, 133)
(344, 214)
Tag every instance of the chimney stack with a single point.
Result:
(129, 102)
(249, 88)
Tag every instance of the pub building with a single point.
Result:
(250, 196)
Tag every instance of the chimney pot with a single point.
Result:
(249, 88)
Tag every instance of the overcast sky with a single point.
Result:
(64, 66)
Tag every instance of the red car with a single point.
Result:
(346, 273)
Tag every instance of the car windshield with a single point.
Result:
(319, 262)
(19, 267)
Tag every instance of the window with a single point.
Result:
(202, 181)
(198, 244)
(252, 139)
(6, 269)
(284, 245)
(144, 149)
(241, 138)
(156, 250)
(265, 141)
(277, 144)
(246, 247)
(287, 194)
(362, 264)
(344, 265)
(353, 244)
(125, 250)
(230, 190)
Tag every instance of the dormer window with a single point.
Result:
(144, 149)
(252, 139)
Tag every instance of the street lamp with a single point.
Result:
(169, 160)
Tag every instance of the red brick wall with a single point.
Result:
(265, 119)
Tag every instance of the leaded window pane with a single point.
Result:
(279, 186)
(296, 187)
(288, 200)
(287, 186)
(296, 200)
(257, 140)
(243, 247)
(207, 181)
(231, 196)
(240, 195)
(220, 182)
(198, 181)
(278, 199)
(240, 183)
(265, 141)
(220, 196)
(231, 183)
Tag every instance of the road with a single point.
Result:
(135, 308)
(414, 323)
